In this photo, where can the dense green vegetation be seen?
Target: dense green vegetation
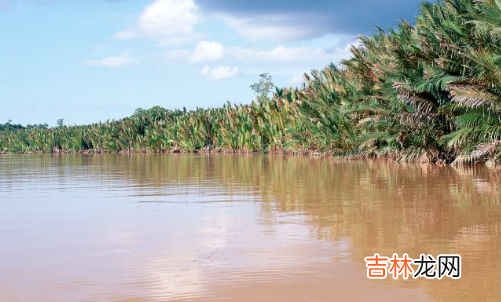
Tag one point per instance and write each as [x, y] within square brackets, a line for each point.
[425, 92]
[11, 127]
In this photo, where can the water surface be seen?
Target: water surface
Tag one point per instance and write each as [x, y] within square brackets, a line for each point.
[150, 228]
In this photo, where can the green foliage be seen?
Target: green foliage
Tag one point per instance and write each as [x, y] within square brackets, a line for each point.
[9, 126]
[429, 92]
[265, 85]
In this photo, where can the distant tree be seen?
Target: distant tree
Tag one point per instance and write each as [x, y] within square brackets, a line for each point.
[9, 126]
[264, 86]
[139, 112]
[37, 126]
[60, 122]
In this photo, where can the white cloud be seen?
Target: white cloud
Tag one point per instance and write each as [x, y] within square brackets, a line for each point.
[296, 80]
[126, 35]
[213, 51]
[112, 62]
[176, 54]
[206, 51]
[275, 28]
[282, 54]
[218, 73]
[280, 61]
[249, 56]
[170, 21]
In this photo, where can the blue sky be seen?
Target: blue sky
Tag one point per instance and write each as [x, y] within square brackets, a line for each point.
[93, 60]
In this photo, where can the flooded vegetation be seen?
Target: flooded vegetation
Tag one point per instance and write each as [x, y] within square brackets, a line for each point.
[425, 91]
[148, 228]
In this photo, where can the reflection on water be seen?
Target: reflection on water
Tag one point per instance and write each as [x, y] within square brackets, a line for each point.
[148, 228]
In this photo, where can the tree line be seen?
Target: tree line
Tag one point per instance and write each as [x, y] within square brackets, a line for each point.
[429, 91]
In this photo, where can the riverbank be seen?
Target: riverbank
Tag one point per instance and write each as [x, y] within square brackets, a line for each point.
[354, 157]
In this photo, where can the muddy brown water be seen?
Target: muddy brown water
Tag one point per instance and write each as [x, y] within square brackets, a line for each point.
[150, 228]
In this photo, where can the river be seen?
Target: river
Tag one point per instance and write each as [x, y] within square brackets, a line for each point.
[151, 228]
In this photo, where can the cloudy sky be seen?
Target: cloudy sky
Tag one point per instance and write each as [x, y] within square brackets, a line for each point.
[93, 60]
